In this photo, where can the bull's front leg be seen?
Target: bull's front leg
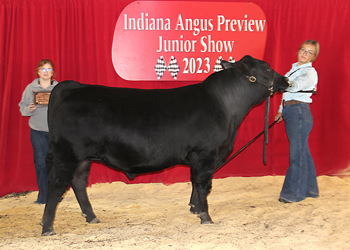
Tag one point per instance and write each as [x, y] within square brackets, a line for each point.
[201, 178]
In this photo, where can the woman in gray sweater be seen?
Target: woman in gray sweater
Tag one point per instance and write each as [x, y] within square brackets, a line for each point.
[38, 122]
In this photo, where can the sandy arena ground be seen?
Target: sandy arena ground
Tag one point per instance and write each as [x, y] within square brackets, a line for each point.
[246, 213]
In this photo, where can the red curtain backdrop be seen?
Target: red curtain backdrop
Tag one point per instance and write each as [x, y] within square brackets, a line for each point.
[77, 35]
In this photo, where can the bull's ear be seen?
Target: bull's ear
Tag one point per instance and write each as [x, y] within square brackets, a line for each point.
[226, 64]
[244, 64]
[242, 68]
[247, 60]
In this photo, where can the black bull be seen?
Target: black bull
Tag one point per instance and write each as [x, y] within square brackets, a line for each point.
[139, 131]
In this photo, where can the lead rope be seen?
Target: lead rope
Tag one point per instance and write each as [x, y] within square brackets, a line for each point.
[266, 127]
[244, 147]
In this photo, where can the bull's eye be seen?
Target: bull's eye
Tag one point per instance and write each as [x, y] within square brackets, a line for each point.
[268, 69]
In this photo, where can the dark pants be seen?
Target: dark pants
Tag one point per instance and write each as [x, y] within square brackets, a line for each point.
[300, 181]
[40, 143]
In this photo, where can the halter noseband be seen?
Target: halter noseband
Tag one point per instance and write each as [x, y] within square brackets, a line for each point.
[269, 86]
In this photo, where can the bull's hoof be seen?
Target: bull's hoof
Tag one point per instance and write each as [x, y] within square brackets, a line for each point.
[207, 222]
[94, 221]
[48, 233]
[205, 218]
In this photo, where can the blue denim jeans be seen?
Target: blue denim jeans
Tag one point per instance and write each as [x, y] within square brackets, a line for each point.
[300, 181]
[40, 144]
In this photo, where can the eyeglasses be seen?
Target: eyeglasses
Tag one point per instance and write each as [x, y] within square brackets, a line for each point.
[309, 53]
[45, 70]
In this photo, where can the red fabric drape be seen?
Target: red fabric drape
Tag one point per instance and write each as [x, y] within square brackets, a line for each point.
[77, 35]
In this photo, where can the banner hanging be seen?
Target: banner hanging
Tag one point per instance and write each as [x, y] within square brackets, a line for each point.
[168, 40]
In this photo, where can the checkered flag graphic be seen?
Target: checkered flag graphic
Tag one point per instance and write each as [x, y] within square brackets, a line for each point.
[231, 60]
[218, 66]
[160, 67]
[173, 67]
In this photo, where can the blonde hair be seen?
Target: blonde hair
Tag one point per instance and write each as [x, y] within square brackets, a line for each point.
[42, 63]
[315, 44]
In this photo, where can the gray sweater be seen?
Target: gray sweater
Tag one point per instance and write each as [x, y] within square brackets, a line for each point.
[38, 118]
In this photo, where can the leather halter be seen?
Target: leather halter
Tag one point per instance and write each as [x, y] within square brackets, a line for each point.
[269, 86]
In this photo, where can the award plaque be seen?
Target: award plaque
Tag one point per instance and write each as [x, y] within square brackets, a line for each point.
[41, 97]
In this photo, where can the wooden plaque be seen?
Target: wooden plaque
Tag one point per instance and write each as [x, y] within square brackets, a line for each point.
[41, 97]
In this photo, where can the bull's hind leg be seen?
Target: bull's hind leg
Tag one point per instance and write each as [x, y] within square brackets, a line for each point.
[58, 183]
[79, 184]
[201, 178]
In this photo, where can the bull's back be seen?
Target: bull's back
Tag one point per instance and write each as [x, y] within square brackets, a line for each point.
[117, 117]
[127, 105]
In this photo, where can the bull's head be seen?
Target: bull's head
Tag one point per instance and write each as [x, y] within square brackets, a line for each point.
[259, 71]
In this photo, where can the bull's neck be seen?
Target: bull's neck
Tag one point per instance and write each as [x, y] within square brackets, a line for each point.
[238, 97]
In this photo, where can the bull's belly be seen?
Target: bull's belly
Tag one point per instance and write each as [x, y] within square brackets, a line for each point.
[146, 157]
[132, 169]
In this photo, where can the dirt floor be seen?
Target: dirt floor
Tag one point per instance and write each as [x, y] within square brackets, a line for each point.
[246, 213]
